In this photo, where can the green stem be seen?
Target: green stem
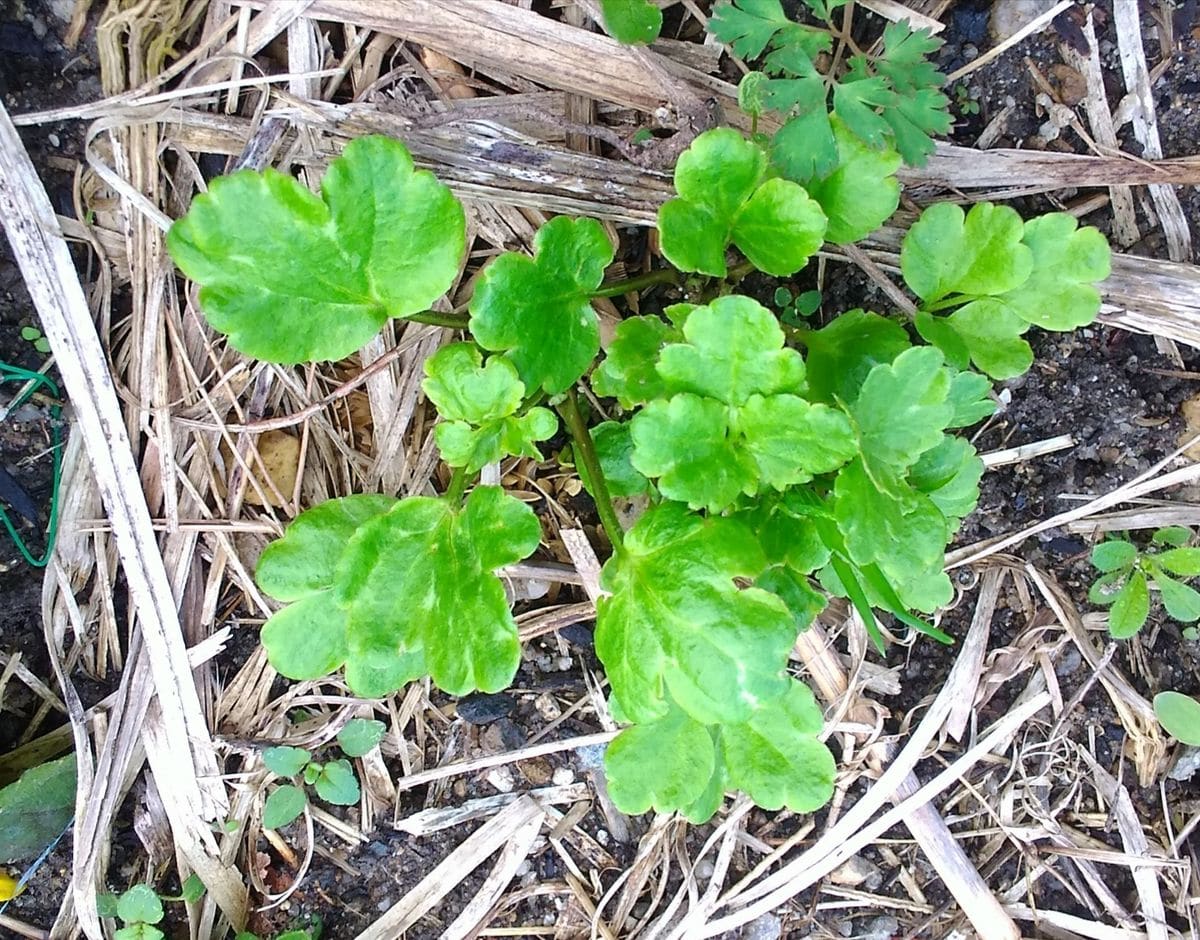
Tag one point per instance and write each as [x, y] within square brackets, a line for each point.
[585, 452]
[453, 321]
[640, 282]
[458, 486]
[946, 302]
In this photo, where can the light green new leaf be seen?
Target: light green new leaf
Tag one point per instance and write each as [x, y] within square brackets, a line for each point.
[969, 395]
[282, 806]
[1179, 715]
[477, 403]
[419, 580]
[1113, 555]
[676, 622]
[732, 349]
[1174, 535]
[307, 638]
[862, 193]
[842, 354]
[360, 736]
[36, 808]
[1067, 263]
[337, 784]
[724, 197]
[1184, 562]
[705, 806]
[949, 474]
[537, 311]
[140, 905]
[791, 440]
[292, 277]
[627, 372]
[286, 761]
[977, 253]
[902, 411]
[1130, 608]
[775, 756]
[664, 764]
[1182, 602]
[631, 21]
[992, 332]
[139, 932]
[304, 561]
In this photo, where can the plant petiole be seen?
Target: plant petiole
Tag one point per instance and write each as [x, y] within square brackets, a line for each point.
[639, 282]
[585, 450]
[452, 321]
[458, 486]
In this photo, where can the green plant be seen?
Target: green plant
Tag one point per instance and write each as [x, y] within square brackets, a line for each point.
[795, 308]
[140, 908]
[774, 476]
[889, 101]
[333, 780]
[35, 809]
[33, 335]
[631, 21]
[1179, 715]
[1127, 573]
[966, 103]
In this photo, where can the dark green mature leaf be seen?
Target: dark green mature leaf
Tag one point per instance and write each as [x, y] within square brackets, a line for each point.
[337, 784]
[949, 474]
[902, 411]
[842, 354]
[360, 736]
[856, 102]
[725, 197]
[664, 764]
[862, 193]
[794, 589]
[421, 596]
[1179, 715]
[307, 638]
[291, 277]
[305, 560]
[140, 905]
[631, 21]
[749, 26]
[676, 622]
[478, 405]
[614, 449]
[1130, 608]
[36, 808]
[283, 805]
[537, 311]
[286, 761]
[735, 423]
[775, 756]
[192, 889]
[804, 147]
[1113, 555]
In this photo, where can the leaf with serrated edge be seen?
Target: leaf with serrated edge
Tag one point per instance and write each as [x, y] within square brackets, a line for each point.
[675, 620]
[360, 736]
[949, 474]
[748, 25]
[282, 806]
[537, 311]
[724, 197]
[627, 372]
[337, 783]
[902, 410]
[420, 578]
[663, 764]
[862, 193]
[292, 277]
[978, 253]
[631, 21]
[776, 757]
[842, 354]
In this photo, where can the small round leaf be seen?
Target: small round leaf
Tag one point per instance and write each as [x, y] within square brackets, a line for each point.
[283, 805]
[1113, 555]
[360, 735]
[1179, 715]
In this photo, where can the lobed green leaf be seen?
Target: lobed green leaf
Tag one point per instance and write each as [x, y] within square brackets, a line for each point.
[861, 193]
[140, 905]
[293, 277]
[665, 764]
[537, 311]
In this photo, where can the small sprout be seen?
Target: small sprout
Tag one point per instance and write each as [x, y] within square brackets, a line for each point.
[334, 780]
[1127, 573]
[33, 335]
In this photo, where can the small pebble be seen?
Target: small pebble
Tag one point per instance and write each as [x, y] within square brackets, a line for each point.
[563, 776]
[704, 869]
[479, 708]
[883, 927]
[501, 778]
[547, 707]
[53, 138]
[602, 836]
[766, 927]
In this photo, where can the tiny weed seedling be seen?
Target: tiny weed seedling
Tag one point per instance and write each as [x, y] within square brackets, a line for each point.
[334, 781]
[966, 103]
[1179, 715]
[795, 309]
[33, 335]
[1127, 573]
[140, 908]
[778, 467]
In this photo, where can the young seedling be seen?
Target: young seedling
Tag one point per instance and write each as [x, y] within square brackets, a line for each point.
[1179, 715]
[334, 780]
[777, 467]
[140, 908]
[795, 309]
[33, 335]
[1127, 573]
